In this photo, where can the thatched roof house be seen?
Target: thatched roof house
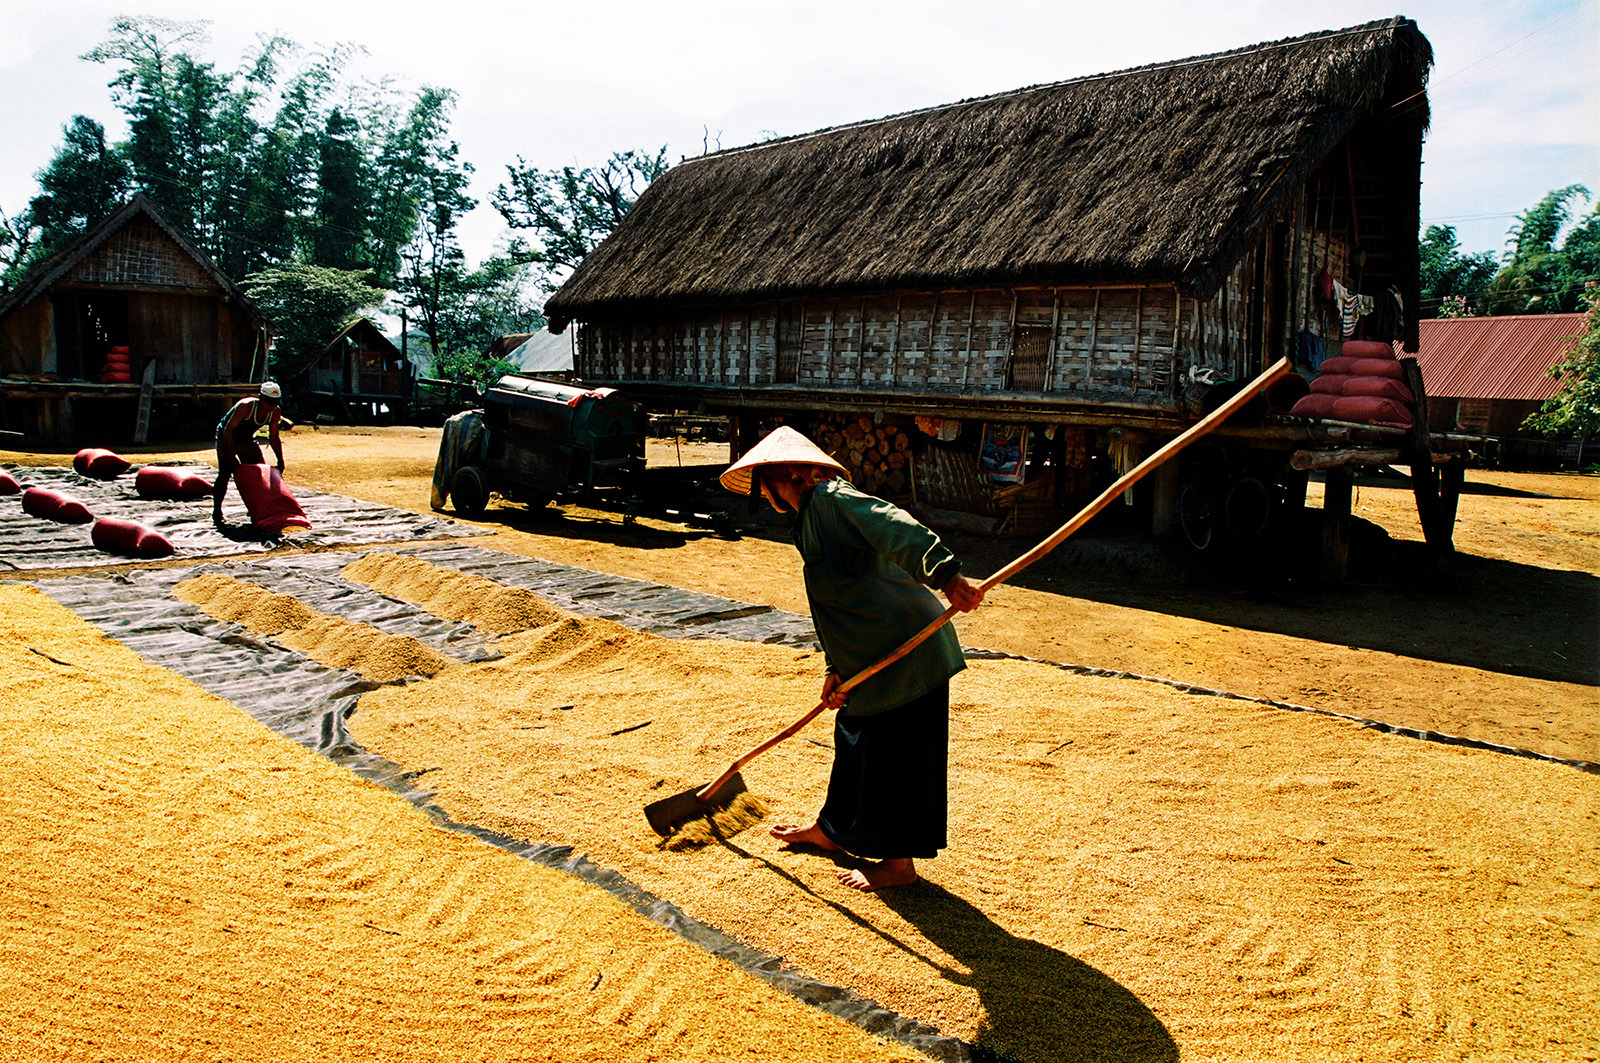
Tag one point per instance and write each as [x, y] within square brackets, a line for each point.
[134, 282]
[1166, 173]
[1050, 267]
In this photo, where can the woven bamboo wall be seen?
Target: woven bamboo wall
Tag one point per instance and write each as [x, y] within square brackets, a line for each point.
[1056, 340]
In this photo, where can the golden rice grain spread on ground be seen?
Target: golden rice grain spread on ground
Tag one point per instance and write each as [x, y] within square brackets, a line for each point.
[1134, 873]
[451, 593]
[179, 883]
[330, 640]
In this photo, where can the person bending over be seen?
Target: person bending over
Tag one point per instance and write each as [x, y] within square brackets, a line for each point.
[868, 569]
[236, 439]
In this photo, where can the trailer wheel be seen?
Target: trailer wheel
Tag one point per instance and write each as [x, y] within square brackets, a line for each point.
[469, 491]
[1248, 508]
[1198, 513]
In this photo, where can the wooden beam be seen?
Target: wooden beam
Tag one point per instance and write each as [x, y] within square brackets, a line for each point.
[972, 309]
[1306, 460]
[1050, 355]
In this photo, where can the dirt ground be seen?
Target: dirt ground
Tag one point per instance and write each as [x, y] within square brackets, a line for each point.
[1134, 873]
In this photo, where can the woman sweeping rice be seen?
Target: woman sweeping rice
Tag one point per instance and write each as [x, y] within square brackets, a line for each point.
[868, 567]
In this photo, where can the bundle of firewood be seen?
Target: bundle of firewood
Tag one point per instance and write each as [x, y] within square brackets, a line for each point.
[877, 455]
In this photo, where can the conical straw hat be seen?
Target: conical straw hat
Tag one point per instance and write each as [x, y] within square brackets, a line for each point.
[782, 446]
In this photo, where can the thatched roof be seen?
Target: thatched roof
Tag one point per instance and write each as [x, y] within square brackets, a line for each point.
[59, 265]
[1162, 173]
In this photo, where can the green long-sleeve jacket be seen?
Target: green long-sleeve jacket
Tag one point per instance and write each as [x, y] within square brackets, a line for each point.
[868, 567]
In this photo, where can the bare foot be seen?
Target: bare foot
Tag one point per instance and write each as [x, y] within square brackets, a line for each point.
[885, 874]
[793, 834]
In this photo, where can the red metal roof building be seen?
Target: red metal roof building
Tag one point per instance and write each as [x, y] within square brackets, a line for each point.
[1486, 374]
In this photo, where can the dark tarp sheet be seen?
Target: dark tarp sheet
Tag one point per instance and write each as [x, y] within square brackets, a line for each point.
[309, 703]
[31, 543]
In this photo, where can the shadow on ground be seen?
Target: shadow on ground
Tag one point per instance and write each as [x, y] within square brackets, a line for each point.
[1038, 1002]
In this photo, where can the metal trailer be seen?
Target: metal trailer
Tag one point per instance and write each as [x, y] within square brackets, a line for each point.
[534, 441]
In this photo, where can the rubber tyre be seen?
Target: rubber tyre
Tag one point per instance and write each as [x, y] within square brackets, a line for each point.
[1198, 518]
[469, 491]
[1248, 509]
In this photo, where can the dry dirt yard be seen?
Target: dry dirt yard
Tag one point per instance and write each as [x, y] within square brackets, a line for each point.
[1135, 873]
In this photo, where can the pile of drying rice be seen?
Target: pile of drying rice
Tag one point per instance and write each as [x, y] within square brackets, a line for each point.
[330, 640]
[452, 594]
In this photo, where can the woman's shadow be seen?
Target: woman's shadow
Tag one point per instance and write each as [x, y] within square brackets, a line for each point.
[1038, 1002]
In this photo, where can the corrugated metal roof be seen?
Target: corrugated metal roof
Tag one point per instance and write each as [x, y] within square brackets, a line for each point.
[543, 352]
[1505, 357]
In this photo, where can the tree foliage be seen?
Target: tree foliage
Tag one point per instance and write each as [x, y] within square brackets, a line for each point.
[568, 211]
[1575, 409]
[1538, 276]
[1452, 282]
[310, 304]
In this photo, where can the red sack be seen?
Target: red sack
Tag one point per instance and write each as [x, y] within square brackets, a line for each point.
[159, 481]
[1366, 349]
[52, 505]
[8, 484]
[1315, 405]
[272, 508]
[1329, 384]
[1378, 387]
[127, 537]
[100, 463]
[1370, 409]
[1388, 367]
[117, 359]
[41, 502]
[116, 378]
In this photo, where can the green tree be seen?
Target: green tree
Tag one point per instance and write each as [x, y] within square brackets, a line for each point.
[568, 211]
[1575, 409]
[1452, 282]
[339, 223]
[492, 302]
[307, 306]
[18, 237]
[1539, 277]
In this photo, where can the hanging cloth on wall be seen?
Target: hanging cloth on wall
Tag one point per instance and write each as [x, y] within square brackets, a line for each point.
[1312, 350]
[1353, 306]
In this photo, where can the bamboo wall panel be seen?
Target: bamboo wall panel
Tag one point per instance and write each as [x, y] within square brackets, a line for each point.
[1079, 341]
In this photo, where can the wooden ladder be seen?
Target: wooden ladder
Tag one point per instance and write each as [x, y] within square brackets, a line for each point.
[147, 390]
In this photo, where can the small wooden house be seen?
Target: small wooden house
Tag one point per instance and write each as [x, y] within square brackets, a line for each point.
[1486, 375]
[1040, 269]
[359, 376]
[133, 282]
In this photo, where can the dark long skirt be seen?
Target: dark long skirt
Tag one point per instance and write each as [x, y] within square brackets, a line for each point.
[887, 795]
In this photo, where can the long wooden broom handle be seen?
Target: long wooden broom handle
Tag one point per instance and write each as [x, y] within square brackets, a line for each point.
[1083, 516]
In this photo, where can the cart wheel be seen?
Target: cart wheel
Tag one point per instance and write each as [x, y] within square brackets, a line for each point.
[1197, 513]
[1248, 508]
[469, 491]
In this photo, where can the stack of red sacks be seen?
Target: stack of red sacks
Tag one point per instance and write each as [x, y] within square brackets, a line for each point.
[100, 463]
[1364, 385]
[117, 368]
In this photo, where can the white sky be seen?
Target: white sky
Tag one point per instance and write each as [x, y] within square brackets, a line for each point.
[1515, 88]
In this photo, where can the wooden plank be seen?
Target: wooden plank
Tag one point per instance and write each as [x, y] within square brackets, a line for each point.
[972, 309]
[1055, 326]
[147, 387]
[1088, 354]
[1306, 460]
